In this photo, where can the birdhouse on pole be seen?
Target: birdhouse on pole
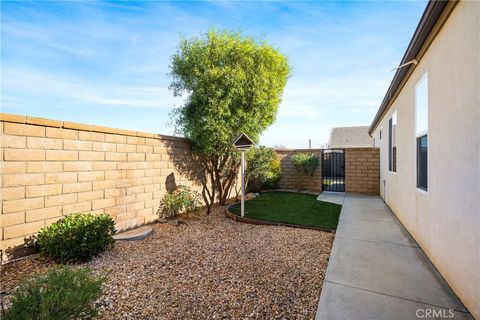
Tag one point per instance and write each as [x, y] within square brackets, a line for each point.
[242, 143]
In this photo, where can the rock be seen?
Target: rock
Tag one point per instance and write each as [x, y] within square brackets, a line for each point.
[139, 233]
[174, 222]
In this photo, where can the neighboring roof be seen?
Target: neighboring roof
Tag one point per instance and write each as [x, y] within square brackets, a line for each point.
[429, 18]
[350, 137]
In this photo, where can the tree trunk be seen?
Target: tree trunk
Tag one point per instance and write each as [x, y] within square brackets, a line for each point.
[228, 183]
[219, 177]
[208, 193]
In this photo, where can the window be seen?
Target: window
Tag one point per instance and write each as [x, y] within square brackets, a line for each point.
[421, 132]
[422, 162]
[421, 106]
[380, 135]
[392, 143]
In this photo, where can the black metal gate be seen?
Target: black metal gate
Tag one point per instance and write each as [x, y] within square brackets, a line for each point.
[333, 170]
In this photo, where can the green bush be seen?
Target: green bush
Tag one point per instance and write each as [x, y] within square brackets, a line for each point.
[62, 293]
[77, 237]
[272, 177]
[262, 169]
[305, 164]
[180, 202]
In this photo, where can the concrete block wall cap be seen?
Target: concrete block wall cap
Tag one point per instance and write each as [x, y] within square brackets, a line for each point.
[172, 138]
[297, 150]
[6, 117]
[104, 129]
[44, 122]
[363, 149]
[77, 126]
[145, 134]
[127, 132]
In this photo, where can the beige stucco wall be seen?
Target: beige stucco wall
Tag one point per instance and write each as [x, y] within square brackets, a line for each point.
[445, 221]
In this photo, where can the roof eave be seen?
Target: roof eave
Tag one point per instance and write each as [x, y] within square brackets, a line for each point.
[429, 18]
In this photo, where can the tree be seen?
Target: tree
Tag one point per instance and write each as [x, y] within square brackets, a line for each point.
[232, 84]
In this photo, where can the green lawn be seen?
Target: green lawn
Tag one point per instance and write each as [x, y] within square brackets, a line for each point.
[293, 208]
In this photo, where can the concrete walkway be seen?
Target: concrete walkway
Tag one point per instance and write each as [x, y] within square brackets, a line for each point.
[377, 271]
[332, 197]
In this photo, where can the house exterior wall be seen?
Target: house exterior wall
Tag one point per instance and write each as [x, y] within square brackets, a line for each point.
[445, 220]
[52, 168]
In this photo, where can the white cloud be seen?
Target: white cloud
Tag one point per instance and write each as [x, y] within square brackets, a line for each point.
[31, 84]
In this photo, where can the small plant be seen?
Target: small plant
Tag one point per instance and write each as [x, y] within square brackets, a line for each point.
[60, 294]
[77, 237]
[305, 164]
[180, 202]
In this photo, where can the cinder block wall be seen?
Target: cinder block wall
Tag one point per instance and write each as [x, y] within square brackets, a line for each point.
[53, 168]
[362, 170]
[289, 177]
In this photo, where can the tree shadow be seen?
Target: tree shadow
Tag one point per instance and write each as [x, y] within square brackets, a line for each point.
[29, 247]
[190, 166]
[170, 184]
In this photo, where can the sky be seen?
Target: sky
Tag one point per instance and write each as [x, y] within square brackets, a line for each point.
[107, 62]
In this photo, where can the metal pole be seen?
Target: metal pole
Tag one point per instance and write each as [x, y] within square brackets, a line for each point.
[243, 183]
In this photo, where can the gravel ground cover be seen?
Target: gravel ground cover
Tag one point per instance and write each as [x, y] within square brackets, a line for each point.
[208, 268]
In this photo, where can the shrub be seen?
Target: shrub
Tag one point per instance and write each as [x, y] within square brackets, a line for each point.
[60, 294]
[77, 237]
[262, 169]
[305, 164]
[180, 202]
[272, 177]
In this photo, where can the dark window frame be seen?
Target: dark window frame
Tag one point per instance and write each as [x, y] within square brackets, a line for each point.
[422, 162]
[392, 150]
[390, 125]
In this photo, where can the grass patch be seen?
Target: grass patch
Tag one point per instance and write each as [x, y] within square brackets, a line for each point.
[293, 208]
